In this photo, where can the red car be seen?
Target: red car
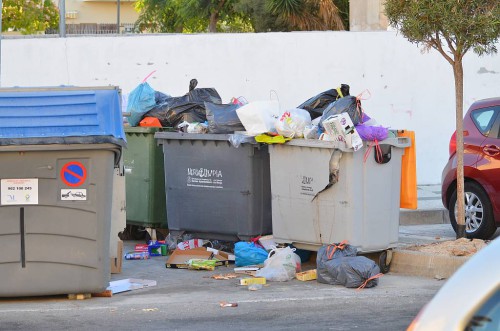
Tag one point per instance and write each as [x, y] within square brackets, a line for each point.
[481, 171]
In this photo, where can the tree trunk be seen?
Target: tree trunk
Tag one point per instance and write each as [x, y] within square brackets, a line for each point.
[459, 98]
[214, 17]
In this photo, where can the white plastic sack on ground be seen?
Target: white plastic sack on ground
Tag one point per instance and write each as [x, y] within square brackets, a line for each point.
[281, 265]
[259, 116]
[292, 123]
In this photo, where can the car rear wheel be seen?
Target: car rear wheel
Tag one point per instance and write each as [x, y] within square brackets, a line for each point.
[479, 222]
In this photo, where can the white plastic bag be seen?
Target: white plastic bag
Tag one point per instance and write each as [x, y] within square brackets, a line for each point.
[292, 123]
[259, 116]
[281, 265]
[194, 127]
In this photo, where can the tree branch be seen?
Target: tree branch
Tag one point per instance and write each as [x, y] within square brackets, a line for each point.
[436, 43]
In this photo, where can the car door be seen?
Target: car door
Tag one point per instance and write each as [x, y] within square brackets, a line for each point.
[489, 159]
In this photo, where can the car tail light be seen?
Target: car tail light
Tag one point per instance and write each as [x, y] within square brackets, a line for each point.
[453, 143]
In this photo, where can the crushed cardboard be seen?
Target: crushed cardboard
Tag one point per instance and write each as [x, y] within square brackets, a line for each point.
[255, 280]
[179, 258]
[225, 276]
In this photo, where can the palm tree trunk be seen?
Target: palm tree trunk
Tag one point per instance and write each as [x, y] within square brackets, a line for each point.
[214, 17]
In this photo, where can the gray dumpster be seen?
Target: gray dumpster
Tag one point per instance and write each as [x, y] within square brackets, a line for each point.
[214, 190]
[362, 207]
[58, 147]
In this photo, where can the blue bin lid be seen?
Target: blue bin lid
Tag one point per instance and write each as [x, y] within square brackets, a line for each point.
[64, 113]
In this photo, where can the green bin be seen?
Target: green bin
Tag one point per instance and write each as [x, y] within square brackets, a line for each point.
[144, 178]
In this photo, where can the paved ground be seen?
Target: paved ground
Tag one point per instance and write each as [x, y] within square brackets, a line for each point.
[188, 299]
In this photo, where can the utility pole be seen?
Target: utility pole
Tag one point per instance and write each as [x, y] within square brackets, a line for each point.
[62, 18]
[118, 16]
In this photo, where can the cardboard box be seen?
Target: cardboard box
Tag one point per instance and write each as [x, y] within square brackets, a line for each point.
[255, 280]
[307, 275]
[226, 255]
[179, 258]
[340, 128]
[116, 262]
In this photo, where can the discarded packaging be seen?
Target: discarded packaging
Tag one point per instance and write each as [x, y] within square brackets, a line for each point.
[154, 250]
[141, 247]
[202, 264]
[137, 256]
[306, 275]
[224, 304]
[179, 258]
[340, 128]
[129, 284]
[256, 280]
[226, 255]
[190, 244]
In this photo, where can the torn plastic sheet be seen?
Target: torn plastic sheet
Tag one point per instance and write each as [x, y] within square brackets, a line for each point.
[334, 169]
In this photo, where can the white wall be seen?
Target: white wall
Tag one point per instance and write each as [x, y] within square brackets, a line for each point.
[409, 89]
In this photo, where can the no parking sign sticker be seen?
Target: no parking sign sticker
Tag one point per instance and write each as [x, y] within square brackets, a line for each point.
[73, 174]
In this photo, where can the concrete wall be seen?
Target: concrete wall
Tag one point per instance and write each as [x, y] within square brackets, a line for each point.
[409, 89]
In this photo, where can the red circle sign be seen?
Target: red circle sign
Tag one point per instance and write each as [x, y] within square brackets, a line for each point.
[73, 174]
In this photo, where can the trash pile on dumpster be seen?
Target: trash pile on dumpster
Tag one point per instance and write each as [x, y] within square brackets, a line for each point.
[222, 161]
[332, 115]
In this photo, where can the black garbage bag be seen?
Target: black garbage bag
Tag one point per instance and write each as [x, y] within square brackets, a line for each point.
[189, 107]
[223, 118]
[317, 104]
[349, 271]
[328, 252]
[161, 97]
[349, 105]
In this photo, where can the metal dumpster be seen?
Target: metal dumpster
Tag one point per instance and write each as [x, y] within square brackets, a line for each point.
[59, 148]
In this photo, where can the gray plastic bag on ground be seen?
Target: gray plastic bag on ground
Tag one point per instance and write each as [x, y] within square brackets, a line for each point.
[351, 271]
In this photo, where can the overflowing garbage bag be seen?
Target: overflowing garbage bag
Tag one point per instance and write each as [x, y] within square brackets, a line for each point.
[222, 118]
[338, 264]
[351, 272]
[281, 265]
[140, 101]
[259, 116]
[247, 253]
[187, 108]
[293, 123]
[371, 132]
[350, 105]
[317, 104]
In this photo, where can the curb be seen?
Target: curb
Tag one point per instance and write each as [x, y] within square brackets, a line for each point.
[421, 264]
[427, 216]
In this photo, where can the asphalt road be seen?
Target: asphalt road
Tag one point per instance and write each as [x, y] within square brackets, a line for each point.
[189, 300]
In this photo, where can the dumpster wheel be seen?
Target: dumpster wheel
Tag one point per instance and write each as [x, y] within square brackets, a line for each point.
[384, 261]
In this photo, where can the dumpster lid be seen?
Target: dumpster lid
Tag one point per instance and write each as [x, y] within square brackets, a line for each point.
[191, 136]
[60, 112]
[237, 137]
[400, 142]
